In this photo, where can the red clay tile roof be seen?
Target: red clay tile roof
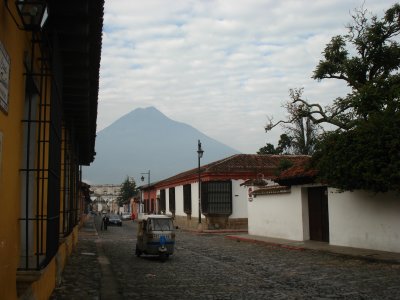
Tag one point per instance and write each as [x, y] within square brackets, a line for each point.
[240, 162]
[299, 173]
[244, 166]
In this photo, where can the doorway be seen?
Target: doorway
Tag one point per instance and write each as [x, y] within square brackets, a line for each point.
[318, 213]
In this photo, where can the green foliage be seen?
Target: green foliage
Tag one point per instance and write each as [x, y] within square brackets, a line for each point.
[299, 139]
[284, 145]
[284, 164]
[366, 157]
[363, 153]
[367, 59]
[127, 191]
[267, 149]
[302, 135]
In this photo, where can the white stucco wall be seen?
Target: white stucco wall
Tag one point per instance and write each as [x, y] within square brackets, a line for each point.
[239, 200]
[364, 220]
[167, 212]
[282, 216]
[195, 200]
[179, 201]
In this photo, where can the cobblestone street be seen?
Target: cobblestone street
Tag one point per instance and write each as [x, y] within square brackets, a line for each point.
[210, 266]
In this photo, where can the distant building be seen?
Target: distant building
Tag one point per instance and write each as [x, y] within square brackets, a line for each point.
[106, 190]
[104, 197]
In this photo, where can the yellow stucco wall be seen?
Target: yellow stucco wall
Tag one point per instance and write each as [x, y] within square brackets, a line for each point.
[49, 277]
[15, 42]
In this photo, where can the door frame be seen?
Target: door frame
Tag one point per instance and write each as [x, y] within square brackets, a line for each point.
[318, 213]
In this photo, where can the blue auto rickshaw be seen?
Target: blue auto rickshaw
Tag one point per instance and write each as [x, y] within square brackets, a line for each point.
[155, 236]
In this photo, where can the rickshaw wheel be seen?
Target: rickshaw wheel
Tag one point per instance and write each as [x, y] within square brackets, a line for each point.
[164, 257]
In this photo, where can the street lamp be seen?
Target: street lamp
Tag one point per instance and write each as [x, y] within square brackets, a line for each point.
[199, 155]
[33, 13]
[148, 182]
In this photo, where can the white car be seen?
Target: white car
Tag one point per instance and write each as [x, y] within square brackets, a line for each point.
[126, 216]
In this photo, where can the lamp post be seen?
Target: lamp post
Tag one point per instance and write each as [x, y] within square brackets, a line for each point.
[148, 183]
[199, 155]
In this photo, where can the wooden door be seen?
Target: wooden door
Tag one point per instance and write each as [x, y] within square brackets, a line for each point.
[318, 214]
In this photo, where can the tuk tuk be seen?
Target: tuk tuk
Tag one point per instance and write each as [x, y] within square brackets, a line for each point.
[155, 236]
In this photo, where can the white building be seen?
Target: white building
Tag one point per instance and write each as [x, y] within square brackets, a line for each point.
[223, 196]
[297, 210]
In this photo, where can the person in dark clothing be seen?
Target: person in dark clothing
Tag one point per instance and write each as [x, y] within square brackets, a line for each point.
[104, 222]
[106, 219]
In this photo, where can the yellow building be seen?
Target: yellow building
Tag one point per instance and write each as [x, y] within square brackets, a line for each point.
[49, 79]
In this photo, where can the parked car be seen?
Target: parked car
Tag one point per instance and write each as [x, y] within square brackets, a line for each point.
[114, 221]
[126, 216]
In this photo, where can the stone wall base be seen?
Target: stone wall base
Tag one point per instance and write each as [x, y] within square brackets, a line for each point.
[211, 223]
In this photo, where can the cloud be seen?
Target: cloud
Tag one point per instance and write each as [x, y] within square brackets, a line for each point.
[221, 66]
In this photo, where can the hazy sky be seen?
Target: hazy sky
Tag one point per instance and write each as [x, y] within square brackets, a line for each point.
[221, 66]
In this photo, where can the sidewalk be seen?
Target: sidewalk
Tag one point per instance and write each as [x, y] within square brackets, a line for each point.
[368, 254]
[88, 227]
[82, 274]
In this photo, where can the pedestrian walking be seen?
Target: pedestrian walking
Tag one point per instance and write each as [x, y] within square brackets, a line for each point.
[106, 219]
[104, 222]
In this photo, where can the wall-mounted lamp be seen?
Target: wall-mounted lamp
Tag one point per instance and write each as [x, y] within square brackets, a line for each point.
[33, 13]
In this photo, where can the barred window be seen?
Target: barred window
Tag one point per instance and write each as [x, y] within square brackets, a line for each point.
[172, 200]
[216, 197]
[187, 198]
[162, 201]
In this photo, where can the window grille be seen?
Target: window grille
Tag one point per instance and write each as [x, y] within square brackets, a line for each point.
[69, 210]
[152, 206]
[40, 172]
[187, 198]
[163, 206]
[172, 199]
[216, 197]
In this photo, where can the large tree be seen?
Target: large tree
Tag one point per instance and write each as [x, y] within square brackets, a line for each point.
[268, 149]
[300, 135]
[284, 146]
[362, 153]
[127, 191]
[367, 59]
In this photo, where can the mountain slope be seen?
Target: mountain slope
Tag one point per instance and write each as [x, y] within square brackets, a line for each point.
[145, 139]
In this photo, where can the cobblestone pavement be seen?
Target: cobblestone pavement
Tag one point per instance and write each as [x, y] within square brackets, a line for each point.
[210, 266]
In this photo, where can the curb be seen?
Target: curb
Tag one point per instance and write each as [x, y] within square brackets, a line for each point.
[255, 241]
[214, 231]
[299, 248]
